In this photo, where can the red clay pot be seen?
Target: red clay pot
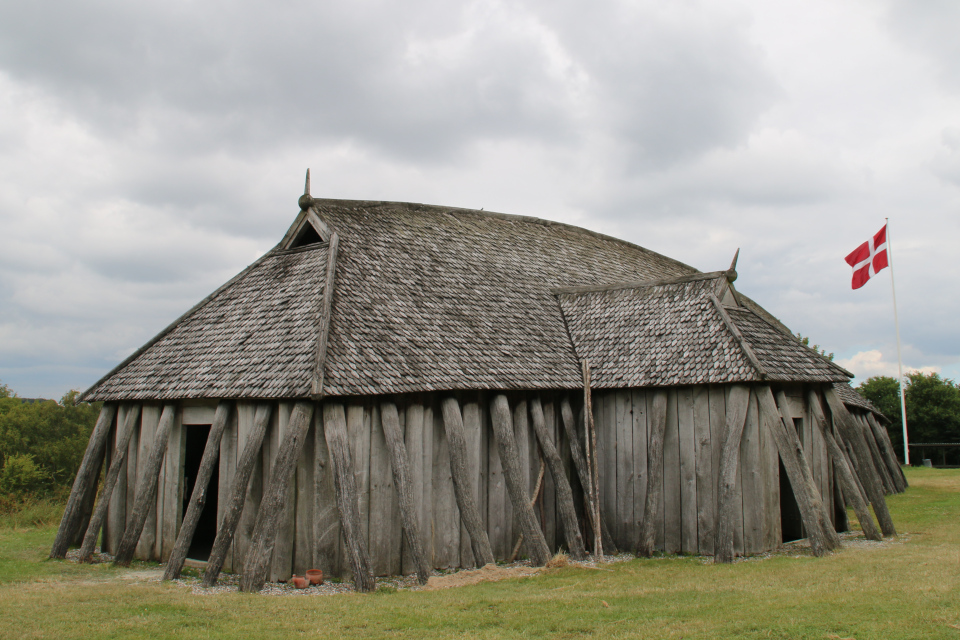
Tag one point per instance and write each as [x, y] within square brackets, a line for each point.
[315, 576]
[300, 583]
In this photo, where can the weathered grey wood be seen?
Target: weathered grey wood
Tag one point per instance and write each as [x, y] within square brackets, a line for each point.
[386, 529]
[889, 486]
[583, 473]
[428, 526]
[231, 517]
[463, 482]
[323, 324]
[116, 517]
[304, 540]
[85, 482]
[173, 488]
[549, 517]
[605, 427]
[639, 432]
[848, 485]
[258, 563]
[688, 471]
[446, 517]
[625, 518]
[503, 430]
[146, 494]
[751, 482]
[791, 454]
[671, 506]
[413, 439]
[646, 544]
[475, 458]
[335, 430]
[735, 331]
[113, 475]
[358, 430]
[149, 421]
[254, 491]
[770, 481]
[590, 449]
[281, 563]
[211, 453]
[497, 503]
[862, 460]
[528, 469]
[228, 467]
[326, 518]
[886, 450]
[568, 513]
[736, 416]
[706, 489]
[129, 483]
[390, 420]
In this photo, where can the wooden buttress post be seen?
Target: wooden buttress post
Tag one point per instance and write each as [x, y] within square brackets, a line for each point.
[85, 483]
[568, 513]
[146, 495]
[231, 516]
[737, 406]
[211, 452]
[463, 485]
[335, 431]
[516, 486]
[119, 457]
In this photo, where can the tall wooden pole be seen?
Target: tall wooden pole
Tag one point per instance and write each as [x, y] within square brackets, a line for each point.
[590, 440]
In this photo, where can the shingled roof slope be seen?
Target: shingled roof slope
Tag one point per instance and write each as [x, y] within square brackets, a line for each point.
[671, 333]
[435, 298]
[255, 337]
[852, 397]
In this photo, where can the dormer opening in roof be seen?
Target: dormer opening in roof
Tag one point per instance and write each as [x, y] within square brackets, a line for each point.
[308, 228]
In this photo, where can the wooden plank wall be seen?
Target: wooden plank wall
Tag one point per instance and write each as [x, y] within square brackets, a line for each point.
[309, 535]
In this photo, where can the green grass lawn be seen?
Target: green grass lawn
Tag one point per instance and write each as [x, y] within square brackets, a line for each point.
[905, 589]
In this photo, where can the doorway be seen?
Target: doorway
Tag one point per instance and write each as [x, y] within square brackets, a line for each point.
[206, 532]
[791, 524]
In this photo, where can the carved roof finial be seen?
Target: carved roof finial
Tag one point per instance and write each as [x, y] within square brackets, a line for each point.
[732, 271]
[306, 200]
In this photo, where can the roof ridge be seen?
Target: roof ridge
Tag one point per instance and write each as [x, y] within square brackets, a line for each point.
[507, 216]
[693, 277]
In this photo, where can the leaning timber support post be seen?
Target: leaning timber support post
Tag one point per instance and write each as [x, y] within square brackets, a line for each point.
[345, 484]
[85, 484]
[211, 452]
[810, 515]
[568, 512]
[120, 456]
[646, 544]
[848, 484]
[390, 419]
[889, 479]
[576, 452]
[146, 495]
[462, 483]
[737, 405]
[516, 483]
[831, 536]
[889, 457]
[593, 474]
[231, 515]
[257, 564]
[865, 471]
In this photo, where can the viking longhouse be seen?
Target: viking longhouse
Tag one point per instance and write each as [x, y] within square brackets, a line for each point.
[396, 388]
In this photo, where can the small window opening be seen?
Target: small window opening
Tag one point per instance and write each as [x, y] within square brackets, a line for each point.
[307, 235]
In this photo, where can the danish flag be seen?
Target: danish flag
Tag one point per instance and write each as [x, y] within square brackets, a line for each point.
[869, 258]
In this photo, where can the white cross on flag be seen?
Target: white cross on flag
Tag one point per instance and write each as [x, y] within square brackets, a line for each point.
[869, 258]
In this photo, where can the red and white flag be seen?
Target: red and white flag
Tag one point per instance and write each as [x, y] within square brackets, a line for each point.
[869, 258]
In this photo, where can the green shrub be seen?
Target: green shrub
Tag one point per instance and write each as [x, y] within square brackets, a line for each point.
[21, 476]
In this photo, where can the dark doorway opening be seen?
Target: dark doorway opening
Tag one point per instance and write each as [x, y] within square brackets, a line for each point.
[206, 531]
[791, 524]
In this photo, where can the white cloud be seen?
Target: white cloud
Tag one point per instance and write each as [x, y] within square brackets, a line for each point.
[867, 364]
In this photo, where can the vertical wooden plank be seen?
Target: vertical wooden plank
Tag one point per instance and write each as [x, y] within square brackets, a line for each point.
[446, 515]
[738, 500]
[282, 562]
[483, 487]
[326, 518]
[497, 502]
[133, 449]
[251, 504]
[607, 459]
[386, 532]
[427, 528]
[625, 477]
[753, 489]
[706, 487]
[551, 519]
[473, 433]
[227, 472]
[413, 441]
[672, 505]
[525, 447]
[117, 510]
[149, 419]
[173, 488]
[358, 431]
[641, 432]
[770, 485]
[688, 471]
[303, 536]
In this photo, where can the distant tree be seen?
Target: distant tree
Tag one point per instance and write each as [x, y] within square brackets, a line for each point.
[805, 341]
[933, 407]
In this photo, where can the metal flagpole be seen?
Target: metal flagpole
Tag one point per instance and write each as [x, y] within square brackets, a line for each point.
[896, 322]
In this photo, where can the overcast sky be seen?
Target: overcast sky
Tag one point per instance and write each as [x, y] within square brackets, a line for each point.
[150, 150]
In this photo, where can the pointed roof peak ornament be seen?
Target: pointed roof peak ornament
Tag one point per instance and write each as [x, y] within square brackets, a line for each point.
[732, 271]
[306, 200]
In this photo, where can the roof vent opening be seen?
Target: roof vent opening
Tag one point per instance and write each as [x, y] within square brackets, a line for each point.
[307, 235]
